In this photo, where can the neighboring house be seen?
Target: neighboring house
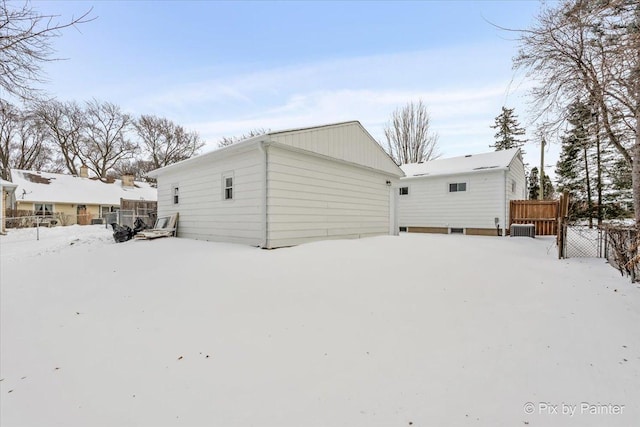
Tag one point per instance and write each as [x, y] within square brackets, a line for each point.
[6, 196]
[74, 199]
[285, 188]
[468, 194]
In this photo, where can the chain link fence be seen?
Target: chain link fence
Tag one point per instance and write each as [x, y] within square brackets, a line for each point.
[618, 244]
[582, 241]
[621, 249]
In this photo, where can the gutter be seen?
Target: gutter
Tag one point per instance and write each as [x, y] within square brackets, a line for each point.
[504, 204]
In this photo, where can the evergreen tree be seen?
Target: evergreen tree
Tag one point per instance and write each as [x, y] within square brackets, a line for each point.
[575, 168]
[508, 131]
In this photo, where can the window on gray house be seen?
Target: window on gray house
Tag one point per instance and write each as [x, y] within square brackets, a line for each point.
[176, 197]
[228, 187]
[404, 191]
[457, 186]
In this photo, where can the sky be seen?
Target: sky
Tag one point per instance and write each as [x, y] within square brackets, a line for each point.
[224, 68]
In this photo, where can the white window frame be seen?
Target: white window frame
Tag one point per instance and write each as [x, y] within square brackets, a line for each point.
[228, 190]
[175, 194]
[457, 184]
[43, 210]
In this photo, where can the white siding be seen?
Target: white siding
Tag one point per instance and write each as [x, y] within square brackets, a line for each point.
[312, 198]
[204, 214]
[430, 204]
[346, 141]
[516, 173]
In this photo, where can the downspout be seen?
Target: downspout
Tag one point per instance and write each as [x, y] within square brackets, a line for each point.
[265, 199]
[504, 204]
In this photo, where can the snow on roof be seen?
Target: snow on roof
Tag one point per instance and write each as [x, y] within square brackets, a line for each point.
[496, 160]
[60, 188]
[6, 184]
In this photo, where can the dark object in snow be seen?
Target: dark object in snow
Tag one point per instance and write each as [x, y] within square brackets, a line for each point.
[121, 233]
[139, 225]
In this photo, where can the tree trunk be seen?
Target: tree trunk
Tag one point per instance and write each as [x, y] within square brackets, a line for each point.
[635, 171]
[588, 182]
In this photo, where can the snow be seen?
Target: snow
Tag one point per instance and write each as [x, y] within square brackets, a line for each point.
[443, 330]
[495, 160]
[74, 189]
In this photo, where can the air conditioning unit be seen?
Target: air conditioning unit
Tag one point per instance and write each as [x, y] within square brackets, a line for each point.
[523, 230]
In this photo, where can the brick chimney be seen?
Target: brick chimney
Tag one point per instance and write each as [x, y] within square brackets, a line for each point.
[84, 171]
[127, 180]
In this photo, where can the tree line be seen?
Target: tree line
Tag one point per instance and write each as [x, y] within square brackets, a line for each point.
[584, 59]
[57, 136]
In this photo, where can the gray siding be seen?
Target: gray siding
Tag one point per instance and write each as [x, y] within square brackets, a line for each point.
[346, 141]
[312, 198]
[204, 214]
[430, 204]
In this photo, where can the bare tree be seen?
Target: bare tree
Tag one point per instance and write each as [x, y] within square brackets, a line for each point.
[591, 49]
[106, 142]
[25, 43]
[31, 151]
[22, 142]
[9, 125]
[165, 142]
[409, 136]
[64, 125]
[229, 140]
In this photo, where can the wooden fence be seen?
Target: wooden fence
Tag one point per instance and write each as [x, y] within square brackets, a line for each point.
[542, 213]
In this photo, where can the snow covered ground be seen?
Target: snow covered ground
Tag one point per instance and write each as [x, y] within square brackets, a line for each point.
[422, 330]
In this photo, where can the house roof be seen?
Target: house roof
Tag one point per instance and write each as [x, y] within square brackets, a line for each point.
[8, 185]
[60, 188]
[385, 163]
[471, 163]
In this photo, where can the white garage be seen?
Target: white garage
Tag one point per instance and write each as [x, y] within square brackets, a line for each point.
[285, 188]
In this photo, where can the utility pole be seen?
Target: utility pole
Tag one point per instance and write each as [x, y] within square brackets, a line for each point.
[541, 192]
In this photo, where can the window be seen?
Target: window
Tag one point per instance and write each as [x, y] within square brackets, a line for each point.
[457, 230]
[513, 185]
[43, 209]
[228, 187]
[404, 191]
[176, 197]
[457, 186]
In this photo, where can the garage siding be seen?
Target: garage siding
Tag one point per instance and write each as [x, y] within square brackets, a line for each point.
[204, 214]
[311, 198]
[347, 141]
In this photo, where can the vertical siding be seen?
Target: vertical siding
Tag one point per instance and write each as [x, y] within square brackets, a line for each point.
[348, 141]
[203, 212]
[429, 203]
[311, 198]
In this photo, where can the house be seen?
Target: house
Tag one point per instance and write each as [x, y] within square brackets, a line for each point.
[71, 199]
[285, 188]
[6, 194]
[467, 194]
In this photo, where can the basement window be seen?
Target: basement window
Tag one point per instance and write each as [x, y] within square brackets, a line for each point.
[457, 186]
[227, 181]
[457, 231]
[176, 195]
[404, 191]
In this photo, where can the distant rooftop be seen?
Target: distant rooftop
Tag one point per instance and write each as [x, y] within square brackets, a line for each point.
[462, 164]
[36, 186]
